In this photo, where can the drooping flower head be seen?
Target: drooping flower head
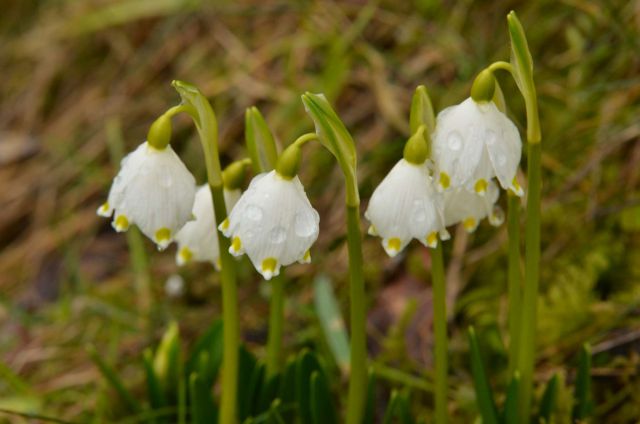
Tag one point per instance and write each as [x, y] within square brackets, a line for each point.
[406, 205]
[153, 190]
[198, 239]
[474, 142]
[273, 222]
[469, 208]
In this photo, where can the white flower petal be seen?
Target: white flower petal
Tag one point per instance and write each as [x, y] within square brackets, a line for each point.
[154, 190]
[198, 239]
[474, 142]
[468, 207]
[405, 206]
[273, 222]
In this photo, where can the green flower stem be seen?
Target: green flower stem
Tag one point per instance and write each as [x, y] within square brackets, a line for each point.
[358, 376]
[276, 319]
[514, 283]
[199, 108]
[528, 319]
[526, 351]
[440, 330]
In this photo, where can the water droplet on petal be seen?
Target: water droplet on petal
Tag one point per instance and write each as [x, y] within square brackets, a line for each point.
[166, 181]
[419, 213]
[278, 235]
[253, 212]
[490, 137]
[455, 140]
[502, 160]
[304, 225]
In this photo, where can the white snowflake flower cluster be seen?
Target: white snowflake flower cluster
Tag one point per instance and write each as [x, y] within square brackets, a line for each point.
[472, 143]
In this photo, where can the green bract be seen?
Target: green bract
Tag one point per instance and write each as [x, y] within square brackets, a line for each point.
[421, 111]
[260, 141]
[523, 75]
[335, 137]
[197, 105]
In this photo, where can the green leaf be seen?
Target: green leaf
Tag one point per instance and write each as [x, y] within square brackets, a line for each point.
[520, 55]
[332, 132]
[484, 396]
[260, 142]
[307, 363]
[582, 393]
[274, 416]
[269, 392]
[398, 409]
[323, 410]
[510, 411]
[370, 406]
[288, 387]
[211, 344]
[113, 379]
[421, 111]
[249, 378]
[166, 360]
[331, 321]
[203, 409]
[155, 393]
[548, 403]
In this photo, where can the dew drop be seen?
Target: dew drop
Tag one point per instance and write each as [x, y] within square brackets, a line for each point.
[502, 160]
[419, 213]
[303, 225]
[455, 140]
[489, 137]
[253, 212]
[166, 181]
[278, 235]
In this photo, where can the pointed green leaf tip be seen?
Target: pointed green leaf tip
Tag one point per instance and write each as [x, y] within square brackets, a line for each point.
[260, 142]
[520, 55]
[421, 111]
[483, 87]
[416, 150]
[165, 362]
[334, 136]
[159, 133]
[289, 162]
[330, 129]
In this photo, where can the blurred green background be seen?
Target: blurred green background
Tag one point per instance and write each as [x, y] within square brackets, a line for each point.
[82, 81]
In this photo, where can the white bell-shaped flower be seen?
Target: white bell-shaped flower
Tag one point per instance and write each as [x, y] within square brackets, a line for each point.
[469, 208]
[405, 206]
[472, 143]
[198, 239]
[273, 223]
[153, 190]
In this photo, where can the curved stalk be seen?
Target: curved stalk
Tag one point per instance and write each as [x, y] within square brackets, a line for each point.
[199, 108]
